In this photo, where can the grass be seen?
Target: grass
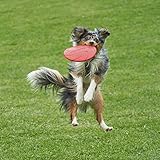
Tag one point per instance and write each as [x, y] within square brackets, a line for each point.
[35, 33]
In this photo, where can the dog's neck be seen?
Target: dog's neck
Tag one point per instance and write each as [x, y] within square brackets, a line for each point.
[74, 44]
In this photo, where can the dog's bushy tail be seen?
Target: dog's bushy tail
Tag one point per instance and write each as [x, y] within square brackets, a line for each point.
[45, 78]
[48, 78]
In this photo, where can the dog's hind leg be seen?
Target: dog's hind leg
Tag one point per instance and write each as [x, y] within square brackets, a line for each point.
[98, 105]
[73, 113]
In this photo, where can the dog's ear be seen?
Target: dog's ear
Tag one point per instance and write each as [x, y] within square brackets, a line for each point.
[78, 32]
[103, 33]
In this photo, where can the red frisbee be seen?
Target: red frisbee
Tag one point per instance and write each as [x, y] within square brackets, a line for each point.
[80, 53]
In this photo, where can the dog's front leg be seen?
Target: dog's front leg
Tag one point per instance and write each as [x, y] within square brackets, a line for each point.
[90, 91]
[95, 80]
[79, 95]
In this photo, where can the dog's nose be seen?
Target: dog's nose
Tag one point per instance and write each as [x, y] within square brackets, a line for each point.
[91, 43]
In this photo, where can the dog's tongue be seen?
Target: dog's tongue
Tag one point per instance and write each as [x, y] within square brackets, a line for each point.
[80, 53]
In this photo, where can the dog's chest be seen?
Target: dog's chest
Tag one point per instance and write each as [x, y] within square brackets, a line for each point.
[86, 68]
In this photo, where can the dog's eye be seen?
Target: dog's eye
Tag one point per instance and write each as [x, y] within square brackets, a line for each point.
[96, 40]
[87, 37]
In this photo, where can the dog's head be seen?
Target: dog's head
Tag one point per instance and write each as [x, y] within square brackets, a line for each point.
[84, 36]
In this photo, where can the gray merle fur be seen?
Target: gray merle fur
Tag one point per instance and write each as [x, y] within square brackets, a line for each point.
[66, 87]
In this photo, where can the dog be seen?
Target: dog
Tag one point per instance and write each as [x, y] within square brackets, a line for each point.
[82, 86]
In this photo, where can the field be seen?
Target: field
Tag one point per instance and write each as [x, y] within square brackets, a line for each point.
[35, 33]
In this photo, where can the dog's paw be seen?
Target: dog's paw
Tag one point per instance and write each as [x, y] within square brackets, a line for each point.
[88, 96]
[74, 122]
[79, 97]
[105, 127]
[109, 129]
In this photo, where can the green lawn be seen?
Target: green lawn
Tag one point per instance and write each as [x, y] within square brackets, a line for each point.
[35, 33]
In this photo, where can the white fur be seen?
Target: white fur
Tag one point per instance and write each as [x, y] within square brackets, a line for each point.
[74, 44]
[79, 67]
[104, 126]
[74, 122]
[79, 95]
[31, 78]
[90, 91]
